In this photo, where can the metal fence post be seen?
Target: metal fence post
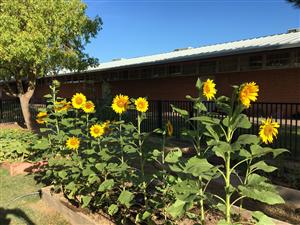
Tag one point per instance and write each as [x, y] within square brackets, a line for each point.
[159, 114]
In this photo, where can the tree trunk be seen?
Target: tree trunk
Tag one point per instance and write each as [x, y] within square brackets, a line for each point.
[24, 101]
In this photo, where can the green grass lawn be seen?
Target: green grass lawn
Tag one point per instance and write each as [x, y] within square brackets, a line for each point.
[28, 210]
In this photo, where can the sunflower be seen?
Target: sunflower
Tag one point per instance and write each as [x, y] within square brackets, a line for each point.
[120, 103]
[169, 128]
[248, 93]
[141, 104]
[40, 118]
[106, 126]
[89, 107]
[62, 106]
[209, 89]
[97, 130]
[73, 143]
[268, 129]
[78, 100]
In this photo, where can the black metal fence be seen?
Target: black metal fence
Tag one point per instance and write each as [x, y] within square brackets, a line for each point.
[286, 114]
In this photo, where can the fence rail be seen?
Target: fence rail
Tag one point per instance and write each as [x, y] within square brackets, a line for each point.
[286, 114]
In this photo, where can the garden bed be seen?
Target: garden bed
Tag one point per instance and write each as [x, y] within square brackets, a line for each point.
[79, 216]
[76, 216]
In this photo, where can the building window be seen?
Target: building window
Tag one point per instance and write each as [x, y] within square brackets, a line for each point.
[208, 67]
[124, 75]
[278, 59]
[174, 69]
[159, 71]
[189, 68]
[252, 62]
[228, 64]
[146, 73]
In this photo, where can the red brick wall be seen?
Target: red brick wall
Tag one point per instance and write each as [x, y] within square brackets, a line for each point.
[68, 89]
[275, 85]
[156, 89]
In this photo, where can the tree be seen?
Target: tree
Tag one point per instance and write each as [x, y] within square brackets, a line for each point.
[296, 3]
[39, 38]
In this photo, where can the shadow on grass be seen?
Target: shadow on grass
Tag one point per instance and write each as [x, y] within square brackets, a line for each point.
[4, 220]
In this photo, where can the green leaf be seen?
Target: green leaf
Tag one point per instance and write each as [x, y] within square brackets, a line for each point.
[155, 154]
[247, 139]
[199, 84]
[113, 209]
[106, 185]
[257, 150]
[211, 132]
[225, 121]
[275, 152]
[75, 132]
[158, 131]
[261, 165]
[186, 190]
[223, 222]
[62, 174]
[125, 198]
[221, 148]
[146, 215]
[100, 166]
[206, 120]
[182, 112]
[262, 219]
[223, 104]
[177, 209]
[241, 121]
[86, 200]
[47, 96]
[129, 149]
[244, 153]
[197, 166]
[93, 179]
[258, 189]
[87, 172]
[200, 106]
[173, 156]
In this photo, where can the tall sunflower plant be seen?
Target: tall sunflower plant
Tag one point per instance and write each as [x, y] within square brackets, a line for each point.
[132, 152]
[243, 155]
[194, 173]
[74, 144]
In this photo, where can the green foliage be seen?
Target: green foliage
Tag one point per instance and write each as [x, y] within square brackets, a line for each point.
[16, 144]
[43, 36]
[114, 172]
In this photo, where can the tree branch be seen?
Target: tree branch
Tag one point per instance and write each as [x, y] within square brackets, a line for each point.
[8, 91]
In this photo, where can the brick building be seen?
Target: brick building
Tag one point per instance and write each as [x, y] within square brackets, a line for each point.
[272, 61]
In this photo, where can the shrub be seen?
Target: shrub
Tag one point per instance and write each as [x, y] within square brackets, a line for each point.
[105, 165]
[16, 144]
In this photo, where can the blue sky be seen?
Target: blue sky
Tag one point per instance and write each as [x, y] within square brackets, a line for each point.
[143, 27]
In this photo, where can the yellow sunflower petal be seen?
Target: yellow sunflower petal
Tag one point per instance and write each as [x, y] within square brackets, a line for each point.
[141, 104]
[120, 103]
[41, 116]
[248, 93]
[78, 100]
[97, 130]
[209, 90]
[268, 130]
[89, 107]
[169, 128]
[73, 143]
